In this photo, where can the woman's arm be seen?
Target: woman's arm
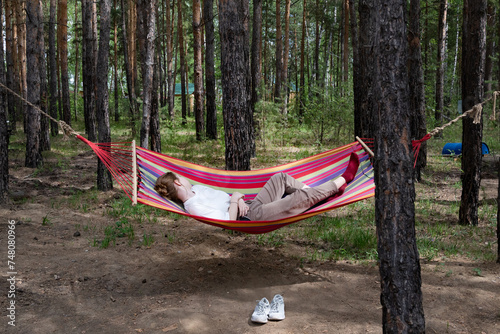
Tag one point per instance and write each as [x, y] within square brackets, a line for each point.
[237, 206]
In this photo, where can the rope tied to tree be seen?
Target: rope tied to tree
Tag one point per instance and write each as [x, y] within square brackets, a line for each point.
[66, 129]
[475, 112]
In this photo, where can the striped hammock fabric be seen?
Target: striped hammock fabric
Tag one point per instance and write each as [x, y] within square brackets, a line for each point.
[312, 171]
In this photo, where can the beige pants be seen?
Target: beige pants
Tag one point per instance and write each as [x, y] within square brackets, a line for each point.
[269, 204]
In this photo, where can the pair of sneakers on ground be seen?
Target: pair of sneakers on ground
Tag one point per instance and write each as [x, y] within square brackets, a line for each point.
[265, 311]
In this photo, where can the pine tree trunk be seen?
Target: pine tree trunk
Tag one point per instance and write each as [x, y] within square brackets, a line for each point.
[346, 41]
[473, 62]
[208, 18]
[132, 49]
[10, 56]
[441, 50]
[279, 55]
[160, 47]
[128, 72]
[154, 127]
[256, 51]
[198, 73]
[104, 180]
[170, 53]
[366, 99]
[148, 61]
[77, 62]
[488, 69]
[88, 69]
[498, 212]
[33, 55]
[115, 64]
[417, 88]
[4, 132]
[21, 54]
[316, 44]
[183, 67]
[399, 266]
[52, 67]
[302, 95]
[455, 59]
[62, 44]
[44, 121]
[357, 81]
[238, 123]
[286, 56]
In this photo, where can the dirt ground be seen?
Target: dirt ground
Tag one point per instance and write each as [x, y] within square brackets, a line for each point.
[196, 278]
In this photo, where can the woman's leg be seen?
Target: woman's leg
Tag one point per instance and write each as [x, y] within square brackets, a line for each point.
[270, 204]
[293, 204]
[278, 185]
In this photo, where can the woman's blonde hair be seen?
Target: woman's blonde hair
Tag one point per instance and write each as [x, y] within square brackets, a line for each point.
[165, 187]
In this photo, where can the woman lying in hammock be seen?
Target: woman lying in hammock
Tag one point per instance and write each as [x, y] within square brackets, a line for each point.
[269, 204]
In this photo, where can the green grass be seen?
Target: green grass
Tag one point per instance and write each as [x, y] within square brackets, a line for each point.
[120, 229]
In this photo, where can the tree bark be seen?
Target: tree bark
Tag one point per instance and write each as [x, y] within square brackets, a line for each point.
[208, 18]
[115, 64]
[473, 63]
[346, 41]
[33, 55]
[132, 49]
[198, 73]
[417, 88]
[104, 180]
[317, 33]
[4, 131]
[88, 67]
[286, 56]
[128, 71]
[52, 68]
[10, 56]
[279, 55]
[488, 69]
[366, 99]
[441, 51]
[238, 123]
[44, 121]
[170, 53]
[62, 44]
[180, 34]
[148, 66]
[387, 53]
[302, 95]
[498, 212]
[154, 127]
[357, 81]
[21, 54]
[77, 62]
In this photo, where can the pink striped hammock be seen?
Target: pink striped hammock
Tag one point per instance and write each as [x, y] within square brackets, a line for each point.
[120, 159]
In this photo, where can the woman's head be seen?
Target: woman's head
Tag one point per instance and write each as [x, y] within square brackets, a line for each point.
[165, 186]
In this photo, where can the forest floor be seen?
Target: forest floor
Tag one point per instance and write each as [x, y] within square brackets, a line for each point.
[195, 278]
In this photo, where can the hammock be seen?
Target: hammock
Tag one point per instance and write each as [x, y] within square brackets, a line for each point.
[120, 158]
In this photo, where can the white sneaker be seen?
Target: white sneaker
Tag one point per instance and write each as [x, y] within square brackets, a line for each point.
[277, 311]
[261, 311]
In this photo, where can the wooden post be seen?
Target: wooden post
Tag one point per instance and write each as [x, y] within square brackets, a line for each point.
[134, 174]
[367, 149]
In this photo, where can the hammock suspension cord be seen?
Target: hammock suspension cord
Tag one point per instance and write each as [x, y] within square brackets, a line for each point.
[136, 169]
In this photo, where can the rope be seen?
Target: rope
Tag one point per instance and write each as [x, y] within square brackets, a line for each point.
[67, 130]
[474, 112]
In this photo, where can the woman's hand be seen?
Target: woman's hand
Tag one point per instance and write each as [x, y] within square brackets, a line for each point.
[237, 198]
[242, 208]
